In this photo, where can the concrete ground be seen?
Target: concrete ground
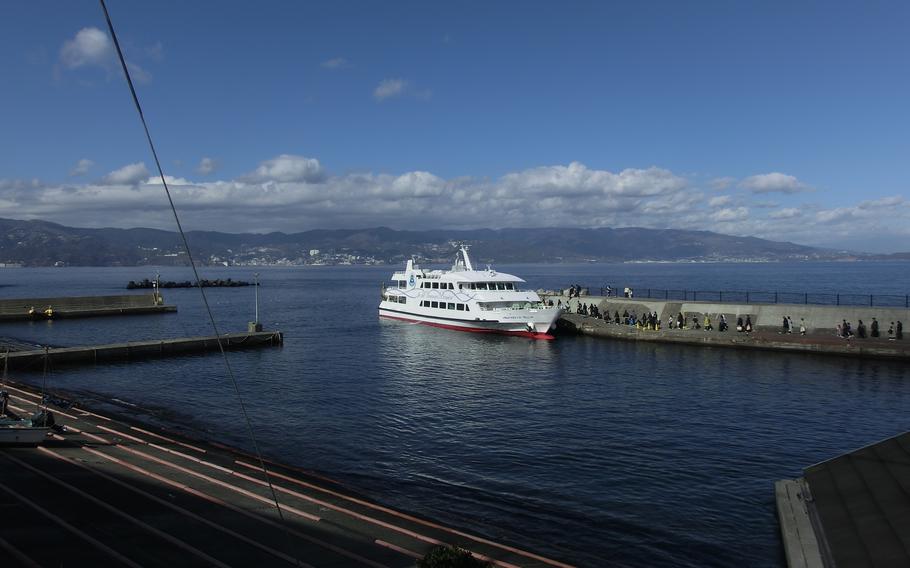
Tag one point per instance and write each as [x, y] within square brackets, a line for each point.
[109, 492]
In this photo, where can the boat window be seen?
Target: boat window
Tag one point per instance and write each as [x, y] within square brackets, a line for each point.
[451, 305]
[467, 307]
[435, 285]
[402, 300]
[481, 285]
[500, 286]
[509, 286]
[459, 307]
[451, 286]
[434, 304]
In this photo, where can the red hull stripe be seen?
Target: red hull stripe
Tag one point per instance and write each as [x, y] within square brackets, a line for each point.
[474, 329]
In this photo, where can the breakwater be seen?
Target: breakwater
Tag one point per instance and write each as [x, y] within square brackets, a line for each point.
[767, 321]
[82, 306]
[134, 350]
[147, 284]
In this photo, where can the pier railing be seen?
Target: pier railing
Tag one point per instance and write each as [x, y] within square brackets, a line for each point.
[766, 297]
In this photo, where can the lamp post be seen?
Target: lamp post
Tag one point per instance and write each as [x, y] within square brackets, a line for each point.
[256, 284]
[255, 325]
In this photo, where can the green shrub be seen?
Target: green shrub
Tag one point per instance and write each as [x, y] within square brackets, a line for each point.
[450, 557]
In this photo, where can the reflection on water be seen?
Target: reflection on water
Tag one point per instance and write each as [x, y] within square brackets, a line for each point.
[592, 451]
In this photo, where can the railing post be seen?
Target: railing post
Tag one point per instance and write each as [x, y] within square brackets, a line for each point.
[806, 301]
[667, 294]
[838, 299]
[871, 301]
[649, 293]
[747, 296]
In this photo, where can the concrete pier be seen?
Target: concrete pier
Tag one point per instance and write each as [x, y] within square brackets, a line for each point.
[17, 309]
[767, 320]
[107, 491]
[135, 350]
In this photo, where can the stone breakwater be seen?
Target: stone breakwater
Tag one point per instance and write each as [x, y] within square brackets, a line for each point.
[767, 320]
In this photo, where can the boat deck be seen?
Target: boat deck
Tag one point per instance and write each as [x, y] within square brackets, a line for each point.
[107, 492]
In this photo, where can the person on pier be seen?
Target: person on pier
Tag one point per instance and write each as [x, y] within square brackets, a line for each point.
[891, 332]
[708, 326]
[680, 321]
[874, 328]
[748, 327]
[786, 326]
[899, 333]
[722, 326]
[861, 330]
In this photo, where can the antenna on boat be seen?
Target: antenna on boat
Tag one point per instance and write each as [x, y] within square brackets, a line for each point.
[463, 249]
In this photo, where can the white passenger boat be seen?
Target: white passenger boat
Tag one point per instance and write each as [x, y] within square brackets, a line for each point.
[466, 299]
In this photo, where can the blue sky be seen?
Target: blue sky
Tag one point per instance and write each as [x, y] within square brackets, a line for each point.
[776, 119]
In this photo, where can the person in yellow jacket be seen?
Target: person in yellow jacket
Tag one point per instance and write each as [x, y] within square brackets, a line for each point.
[49, 312]
[708, 326]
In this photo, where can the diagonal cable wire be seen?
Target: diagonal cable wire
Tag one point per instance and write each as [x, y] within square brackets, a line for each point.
[186, 246]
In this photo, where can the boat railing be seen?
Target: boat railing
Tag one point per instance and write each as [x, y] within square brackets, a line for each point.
[530, 306]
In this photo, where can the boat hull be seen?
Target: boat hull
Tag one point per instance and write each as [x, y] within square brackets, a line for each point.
[540, 331]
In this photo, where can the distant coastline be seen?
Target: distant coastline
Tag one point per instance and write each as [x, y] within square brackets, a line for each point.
[40, 243]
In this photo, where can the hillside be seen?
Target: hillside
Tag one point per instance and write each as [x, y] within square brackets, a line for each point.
[40, 243]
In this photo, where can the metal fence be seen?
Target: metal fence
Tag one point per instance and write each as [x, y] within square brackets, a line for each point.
[766, 297]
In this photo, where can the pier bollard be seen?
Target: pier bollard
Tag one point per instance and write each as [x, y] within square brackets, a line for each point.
[254, 326]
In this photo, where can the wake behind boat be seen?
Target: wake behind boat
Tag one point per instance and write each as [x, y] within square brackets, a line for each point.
[465, 299]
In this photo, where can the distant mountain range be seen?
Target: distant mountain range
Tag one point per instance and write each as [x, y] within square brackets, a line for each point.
[40, 243]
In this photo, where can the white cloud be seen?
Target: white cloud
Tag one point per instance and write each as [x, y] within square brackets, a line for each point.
[389, 88]
[82, 167]
[288, 168]
[722, 183]
[336, 63]
[171, 181]
[294, 193]
[207, 166]
[773, 182]
[90, 46]
[720, 201]
[130, 174]
[730, 214]
[787, 213]
[155, 52]
[139, 74]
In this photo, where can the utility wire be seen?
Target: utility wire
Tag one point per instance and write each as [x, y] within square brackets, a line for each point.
[186, 246]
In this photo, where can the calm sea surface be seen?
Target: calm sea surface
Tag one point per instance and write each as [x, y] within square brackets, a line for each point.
[591, 451]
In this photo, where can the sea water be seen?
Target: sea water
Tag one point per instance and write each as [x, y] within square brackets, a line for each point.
[591, 451]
